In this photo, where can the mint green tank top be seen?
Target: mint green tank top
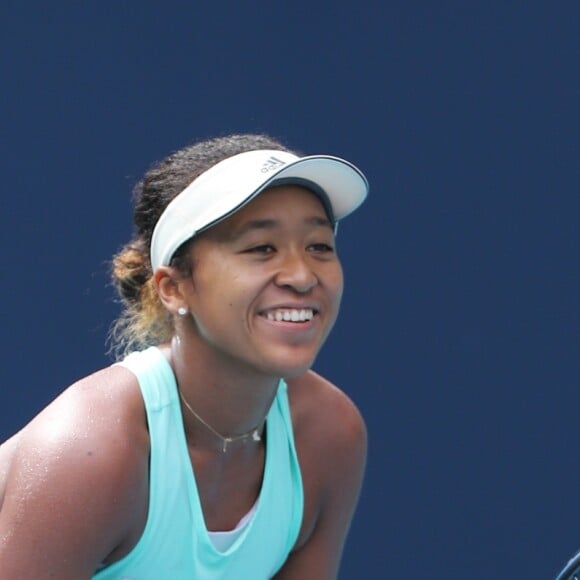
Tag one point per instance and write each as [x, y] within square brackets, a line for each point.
[175, 544]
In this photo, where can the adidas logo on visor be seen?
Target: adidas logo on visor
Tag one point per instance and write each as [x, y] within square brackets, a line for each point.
[271, 164]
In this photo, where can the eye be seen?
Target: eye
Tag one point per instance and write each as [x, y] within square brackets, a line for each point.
[262, 249]
[321, 248]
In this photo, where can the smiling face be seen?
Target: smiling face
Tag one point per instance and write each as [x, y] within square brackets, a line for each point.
[266, 283]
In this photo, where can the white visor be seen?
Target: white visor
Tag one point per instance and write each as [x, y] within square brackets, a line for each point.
[232, 183]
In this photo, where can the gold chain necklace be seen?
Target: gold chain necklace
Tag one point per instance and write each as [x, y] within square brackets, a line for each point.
[253, 433]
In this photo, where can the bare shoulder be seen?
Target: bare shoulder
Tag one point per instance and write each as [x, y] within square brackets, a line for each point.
[103, 411]
[97, 424]
[325, 413]
[331, 443]
[84, 457]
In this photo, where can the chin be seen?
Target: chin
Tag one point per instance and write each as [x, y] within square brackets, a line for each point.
[290, 369]
[293, 373]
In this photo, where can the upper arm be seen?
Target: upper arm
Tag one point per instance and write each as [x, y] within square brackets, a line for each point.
[333, 473]
[67, 494]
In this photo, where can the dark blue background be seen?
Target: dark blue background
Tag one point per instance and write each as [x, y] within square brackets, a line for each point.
[458, 337]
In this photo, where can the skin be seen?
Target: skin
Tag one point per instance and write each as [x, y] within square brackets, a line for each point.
[81, 466]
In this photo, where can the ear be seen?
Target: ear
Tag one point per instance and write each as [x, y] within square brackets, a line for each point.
[169, 284]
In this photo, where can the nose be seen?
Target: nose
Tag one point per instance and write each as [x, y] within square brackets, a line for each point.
[296, 273]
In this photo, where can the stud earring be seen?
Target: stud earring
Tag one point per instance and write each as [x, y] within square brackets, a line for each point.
[182, 311]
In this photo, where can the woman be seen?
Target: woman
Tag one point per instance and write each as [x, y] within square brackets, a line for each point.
[211, 450]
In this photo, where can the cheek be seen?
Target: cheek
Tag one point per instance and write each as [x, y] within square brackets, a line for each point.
[336, 283]
[222, 294]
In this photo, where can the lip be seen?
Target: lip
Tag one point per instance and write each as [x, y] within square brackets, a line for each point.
[303, 329]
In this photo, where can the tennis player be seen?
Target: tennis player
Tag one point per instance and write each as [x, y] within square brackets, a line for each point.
[210, 450]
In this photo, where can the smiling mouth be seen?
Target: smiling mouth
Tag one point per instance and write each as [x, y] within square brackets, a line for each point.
[290, 314]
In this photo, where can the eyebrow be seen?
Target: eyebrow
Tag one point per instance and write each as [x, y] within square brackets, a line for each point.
[270, 224]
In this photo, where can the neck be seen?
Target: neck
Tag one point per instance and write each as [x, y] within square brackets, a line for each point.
[230, 399]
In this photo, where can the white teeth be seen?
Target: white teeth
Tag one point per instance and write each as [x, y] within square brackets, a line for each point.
[292, 315]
